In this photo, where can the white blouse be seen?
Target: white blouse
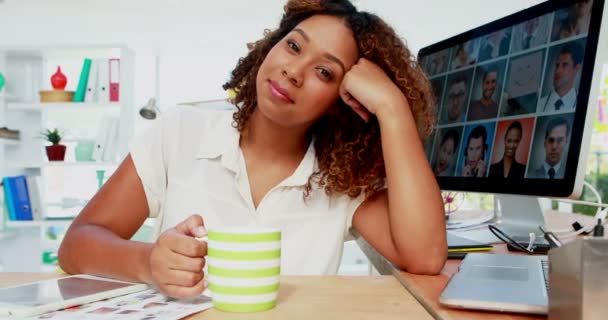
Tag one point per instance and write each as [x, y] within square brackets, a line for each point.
[190, 162]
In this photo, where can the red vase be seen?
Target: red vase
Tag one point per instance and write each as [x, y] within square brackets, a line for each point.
[56, 152]
[58, 80]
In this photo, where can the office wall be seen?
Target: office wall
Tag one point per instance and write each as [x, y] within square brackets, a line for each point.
[200, 40]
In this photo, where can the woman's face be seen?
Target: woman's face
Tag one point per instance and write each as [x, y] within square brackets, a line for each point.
[512, 139]
[475, 151]
[462, 55]
[583, 8]
[445, 155]
[300, 77]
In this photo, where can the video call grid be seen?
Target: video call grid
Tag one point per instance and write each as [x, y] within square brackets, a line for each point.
[506, 58]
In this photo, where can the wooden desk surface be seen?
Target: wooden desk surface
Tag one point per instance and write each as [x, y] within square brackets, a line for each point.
[427, 289]
[311, 297]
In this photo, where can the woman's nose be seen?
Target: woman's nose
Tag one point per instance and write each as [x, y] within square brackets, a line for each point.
[294, 73]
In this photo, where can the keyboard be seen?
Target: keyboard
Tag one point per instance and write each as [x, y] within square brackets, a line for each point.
[545, 266]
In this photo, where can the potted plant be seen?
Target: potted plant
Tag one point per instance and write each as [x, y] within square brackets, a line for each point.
[56, 151]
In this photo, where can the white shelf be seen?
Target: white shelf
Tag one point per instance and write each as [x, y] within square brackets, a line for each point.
[9, 142]
[63, 106]
[28, 165]
[37, 223]
[5, 234]
[69, 51]
[81, 164]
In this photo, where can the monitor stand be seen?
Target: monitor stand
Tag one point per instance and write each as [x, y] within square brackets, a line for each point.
[518, 216]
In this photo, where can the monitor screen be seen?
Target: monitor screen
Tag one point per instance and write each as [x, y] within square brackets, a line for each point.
[512, 99]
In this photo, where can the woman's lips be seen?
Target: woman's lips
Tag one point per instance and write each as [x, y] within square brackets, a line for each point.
[278, 92]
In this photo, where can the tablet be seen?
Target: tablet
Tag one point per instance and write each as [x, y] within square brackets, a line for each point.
[54, 294]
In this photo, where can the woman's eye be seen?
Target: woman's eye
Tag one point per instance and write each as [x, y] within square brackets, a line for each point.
[324, 73]
[293, 46]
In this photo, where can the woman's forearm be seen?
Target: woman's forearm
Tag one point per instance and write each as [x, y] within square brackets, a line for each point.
[95, 250]
[416, 213]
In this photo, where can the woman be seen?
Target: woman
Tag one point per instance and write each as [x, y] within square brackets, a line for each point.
[332, 112]
[446, 152]
[475, 163]
[508, 167]
[462, 57]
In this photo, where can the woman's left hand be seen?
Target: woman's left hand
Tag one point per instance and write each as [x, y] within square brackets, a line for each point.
[481, 168]
[368, 90]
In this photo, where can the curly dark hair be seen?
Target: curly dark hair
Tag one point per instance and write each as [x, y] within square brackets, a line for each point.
[348, 150]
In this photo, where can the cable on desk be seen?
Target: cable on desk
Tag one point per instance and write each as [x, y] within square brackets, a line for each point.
[509, 241]
[577, 227]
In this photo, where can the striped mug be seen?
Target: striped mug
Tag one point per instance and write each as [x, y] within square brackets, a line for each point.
[244, 265]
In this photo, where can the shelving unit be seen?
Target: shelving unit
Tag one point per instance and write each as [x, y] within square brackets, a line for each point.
[6, 234]
[9, 142]
[37, 223]
[27, 70]
[34, 165]
[64, 106]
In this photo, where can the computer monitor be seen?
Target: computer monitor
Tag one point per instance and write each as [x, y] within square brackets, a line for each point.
[516, 99]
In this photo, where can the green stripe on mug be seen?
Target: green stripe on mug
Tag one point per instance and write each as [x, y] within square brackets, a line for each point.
[242, 255]
[243, 290]
[236, 273]
[233, 237]
[244, 307]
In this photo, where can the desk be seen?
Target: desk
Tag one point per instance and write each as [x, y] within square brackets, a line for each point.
[427, 289]
[311, 297]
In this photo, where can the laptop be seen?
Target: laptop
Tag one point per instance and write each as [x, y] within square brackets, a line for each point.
[509, 283]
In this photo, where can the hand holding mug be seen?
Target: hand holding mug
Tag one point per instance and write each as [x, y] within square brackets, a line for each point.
[177, 259]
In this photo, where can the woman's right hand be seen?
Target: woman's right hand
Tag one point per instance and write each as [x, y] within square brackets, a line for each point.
[466, 171]
[481, 168]
[177, 259]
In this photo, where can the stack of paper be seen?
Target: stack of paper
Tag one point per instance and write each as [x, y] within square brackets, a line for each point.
[459, 246]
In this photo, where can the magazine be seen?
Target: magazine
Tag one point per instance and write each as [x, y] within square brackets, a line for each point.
[143, 305]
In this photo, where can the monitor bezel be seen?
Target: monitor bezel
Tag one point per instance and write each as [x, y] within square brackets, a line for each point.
[534, 186]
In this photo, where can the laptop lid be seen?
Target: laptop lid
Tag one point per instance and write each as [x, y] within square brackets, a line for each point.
[513, 283]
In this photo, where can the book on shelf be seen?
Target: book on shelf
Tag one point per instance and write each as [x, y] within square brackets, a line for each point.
[18, 200]
[91, 93]
[99, 81]
[8, 200]
[111, 144]
[114, 80]
[82, 82]
[105, 148]
[22, 198]
[103, 81]
[33, 188]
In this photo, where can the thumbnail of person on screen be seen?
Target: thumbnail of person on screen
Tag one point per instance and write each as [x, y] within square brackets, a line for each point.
[572, 21]
[456, 99]
[485, 107]
[462, 57]
[556, 138]
[531, 34]
[438, 62]
[474, 153]
[446, 153]
[494, 45]
[521, 90]
[437, 85]
[563, 92]
[508, 167]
